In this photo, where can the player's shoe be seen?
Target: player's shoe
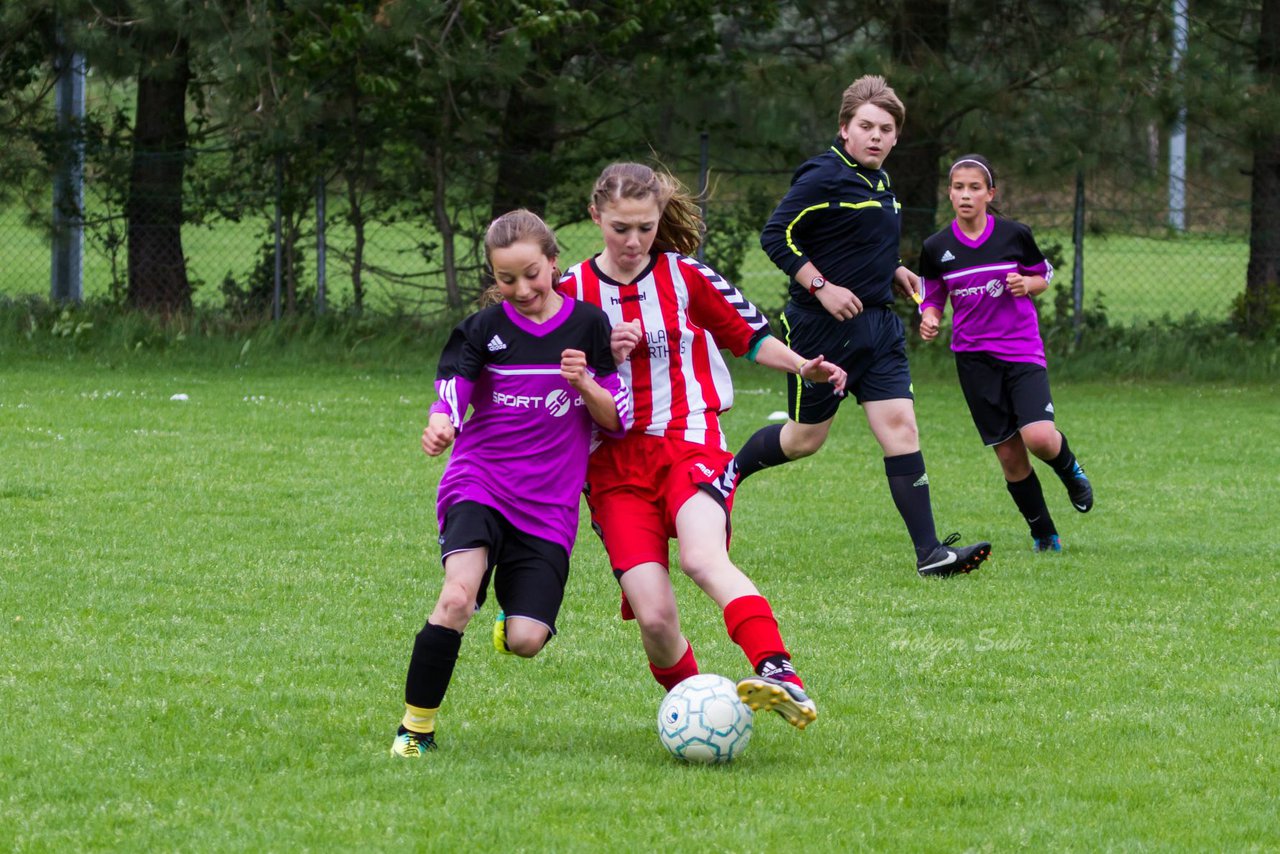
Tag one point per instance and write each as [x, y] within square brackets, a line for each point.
[1079, 490]
[500, 634]
[778, 695]
[1050, 543]
[945, 561]
[412, 745]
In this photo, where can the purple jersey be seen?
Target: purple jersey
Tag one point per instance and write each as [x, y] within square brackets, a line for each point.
[986, 317]
[524, 450]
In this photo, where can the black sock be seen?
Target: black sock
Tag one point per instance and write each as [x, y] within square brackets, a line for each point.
[1064, 464]
[1029, 498]
[435, 652]
[909, 486]
[762, 450]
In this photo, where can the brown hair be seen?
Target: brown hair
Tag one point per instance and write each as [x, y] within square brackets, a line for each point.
[975, 160]
[680, 226]
[872, 89]
[510, 228]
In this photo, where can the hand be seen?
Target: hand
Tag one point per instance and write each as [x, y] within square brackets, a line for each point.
[907, 283]
[1020, 285]
[624, 338]
[573, 367]
[819, 370]
[438, 435]
[842, 303]
[929, 323]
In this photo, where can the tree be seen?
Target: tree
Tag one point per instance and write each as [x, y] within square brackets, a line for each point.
[1260, 305]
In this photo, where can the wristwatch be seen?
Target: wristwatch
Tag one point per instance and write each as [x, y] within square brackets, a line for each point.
[817, 284]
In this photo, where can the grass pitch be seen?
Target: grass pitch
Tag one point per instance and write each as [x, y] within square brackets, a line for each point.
[207, 607]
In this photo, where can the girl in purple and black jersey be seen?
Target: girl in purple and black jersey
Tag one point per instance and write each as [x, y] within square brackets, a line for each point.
[990, 268]
[538, 374]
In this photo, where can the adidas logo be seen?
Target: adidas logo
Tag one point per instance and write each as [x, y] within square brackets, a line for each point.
[923, 481]
[1049, 408]
[496, 344]
[947, 256]
[880, 186]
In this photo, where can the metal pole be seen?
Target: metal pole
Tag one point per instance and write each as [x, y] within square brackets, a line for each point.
[1077, 266]
[321, 295]
[279, 250]
[1178, 135]
[67, 268]
[704, 178]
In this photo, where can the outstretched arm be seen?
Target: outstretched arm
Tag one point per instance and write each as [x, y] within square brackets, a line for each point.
[772, 353]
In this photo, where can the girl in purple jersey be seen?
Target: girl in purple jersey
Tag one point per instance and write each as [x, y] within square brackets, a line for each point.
[538, 373]
[990, 268]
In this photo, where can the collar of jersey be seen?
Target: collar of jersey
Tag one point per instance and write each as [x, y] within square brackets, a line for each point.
[857, 167]
[604, 277]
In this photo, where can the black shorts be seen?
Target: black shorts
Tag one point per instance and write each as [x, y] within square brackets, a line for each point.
[871, 347]
[529, 573]
[1003, 396]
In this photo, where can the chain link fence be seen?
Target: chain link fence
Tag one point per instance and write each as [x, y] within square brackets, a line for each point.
[265, 243]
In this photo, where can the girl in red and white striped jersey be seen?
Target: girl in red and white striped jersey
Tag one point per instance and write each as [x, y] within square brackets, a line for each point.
[671, 475]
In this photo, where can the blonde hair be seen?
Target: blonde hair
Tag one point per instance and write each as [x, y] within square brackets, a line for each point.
[680, 226]
[872, 89]
[513, 227]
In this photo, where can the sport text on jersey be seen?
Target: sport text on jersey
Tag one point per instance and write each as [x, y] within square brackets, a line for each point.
[556, 403]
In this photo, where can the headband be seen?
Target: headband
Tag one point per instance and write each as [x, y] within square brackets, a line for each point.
[991, 182]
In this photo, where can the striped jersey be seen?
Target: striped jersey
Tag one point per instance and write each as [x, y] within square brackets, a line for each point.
[524, 449]
[678, 379]
[986, 317]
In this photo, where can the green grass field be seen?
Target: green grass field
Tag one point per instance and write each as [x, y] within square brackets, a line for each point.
[207, 607]
[1134, 278]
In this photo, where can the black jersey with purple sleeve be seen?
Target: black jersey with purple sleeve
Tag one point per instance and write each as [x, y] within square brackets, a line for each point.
[986, 317]
[524, 449]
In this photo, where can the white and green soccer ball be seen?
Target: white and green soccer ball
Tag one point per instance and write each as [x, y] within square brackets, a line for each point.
[702, 720]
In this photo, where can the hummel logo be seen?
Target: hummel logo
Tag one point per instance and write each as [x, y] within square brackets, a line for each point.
[706, 471]
[923, 481]
[947, 256]
[496, 344]
[1049, 408]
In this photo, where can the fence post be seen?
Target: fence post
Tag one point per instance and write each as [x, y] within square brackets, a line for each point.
[704, 178]
[67, 268]
[321, 296]
[1178, 135]
[279, 250]
[1077, 266]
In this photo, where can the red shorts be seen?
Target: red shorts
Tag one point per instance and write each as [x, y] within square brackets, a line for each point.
[637, 485]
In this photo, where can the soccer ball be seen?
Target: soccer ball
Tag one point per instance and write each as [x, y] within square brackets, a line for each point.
[702, 720]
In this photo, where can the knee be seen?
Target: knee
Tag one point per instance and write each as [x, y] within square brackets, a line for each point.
[1041, 439]
[454, 607]
[525, 638]
[656, 619]
[804, 444]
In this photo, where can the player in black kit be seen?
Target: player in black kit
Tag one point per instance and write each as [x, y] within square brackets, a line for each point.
[835, 234]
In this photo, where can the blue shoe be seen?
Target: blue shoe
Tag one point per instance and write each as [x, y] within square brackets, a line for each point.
[1079, 490]
[1050, 543]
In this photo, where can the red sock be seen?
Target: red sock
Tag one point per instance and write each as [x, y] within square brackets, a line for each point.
[752, 626]
[670, 677]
